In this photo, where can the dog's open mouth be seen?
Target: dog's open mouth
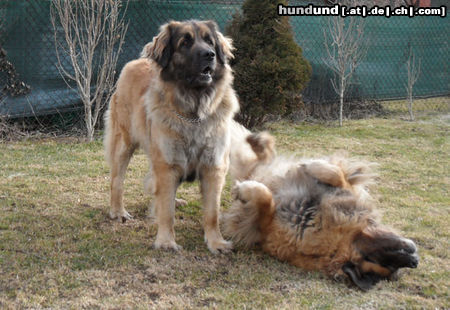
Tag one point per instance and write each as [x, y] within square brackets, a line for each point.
[205, 75]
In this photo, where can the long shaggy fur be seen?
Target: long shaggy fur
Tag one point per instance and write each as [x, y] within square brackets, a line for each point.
[176, 103]
[242, 219]
[316, 214]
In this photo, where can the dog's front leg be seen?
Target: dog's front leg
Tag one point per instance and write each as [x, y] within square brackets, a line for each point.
[211, 183]
[167, 178]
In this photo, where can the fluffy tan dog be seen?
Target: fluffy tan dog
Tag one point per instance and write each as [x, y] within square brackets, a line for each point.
[313, 213]
[176, 103]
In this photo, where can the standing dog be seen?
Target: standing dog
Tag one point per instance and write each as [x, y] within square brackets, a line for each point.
[177, 103]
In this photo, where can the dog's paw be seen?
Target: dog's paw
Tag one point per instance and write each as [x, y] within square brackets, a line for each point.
[219, 246]
[180, 202]
[248, 190]
[121, 216]
[215, 242]
[168, 246]
[162, 243]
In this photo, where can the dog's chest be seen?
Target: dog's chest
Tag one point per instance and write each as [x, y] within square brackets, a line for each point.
[196, 145]
[300, 214]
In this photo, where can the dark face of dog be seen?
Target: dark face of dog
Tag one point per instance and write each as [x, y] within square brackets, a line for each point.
[192, 53]
[378, 254]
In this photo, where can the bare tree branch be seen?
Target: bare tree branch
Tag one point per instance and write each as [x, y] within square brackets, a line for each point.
[413, 72]
[345, 46]
[93, 33]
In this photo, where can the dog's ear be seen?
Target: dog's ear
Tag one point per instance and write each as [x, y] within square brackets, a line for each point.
[160, 49]
[224, 46]
[364, 281]
[147, 50]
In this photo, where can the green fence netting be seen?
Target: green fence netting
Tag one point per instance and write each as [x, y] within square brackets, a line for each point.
[27, 40]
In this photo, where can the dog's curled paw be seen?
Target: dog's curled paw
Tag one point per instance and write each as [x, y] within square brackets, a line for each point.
[220, 246]
[121, 216]
[248, 190]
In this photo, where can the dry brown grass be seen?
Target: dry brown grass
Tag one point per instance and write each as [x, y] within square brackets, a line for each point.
[58, 249]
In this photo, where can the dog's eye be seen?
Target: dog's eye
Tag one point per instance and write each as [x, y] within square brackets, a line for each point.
[208, 40]
[187, 40]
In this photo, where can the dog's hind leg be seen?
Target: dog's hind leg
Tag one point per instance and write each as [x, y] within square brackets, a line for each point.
[119, 157]
[242, 157]
[249, 219]
[263, 144]
[248, 151]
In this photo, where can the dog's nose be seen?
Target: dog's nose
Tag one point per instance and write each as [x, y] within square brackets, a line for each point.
[413, 261]
[208, 54]
[410, 246]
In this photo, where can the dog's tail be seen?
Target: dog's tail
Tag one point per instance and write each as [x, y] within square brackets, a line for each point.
[108, 139]
[248, 220]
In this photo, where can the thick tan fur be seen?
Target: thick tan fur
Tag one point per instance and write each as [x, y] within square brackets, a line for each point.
[146, 111]
[313, 213]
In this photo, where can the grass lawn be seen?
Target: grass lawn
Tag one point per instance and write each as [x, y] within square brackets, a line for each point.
[58, 249]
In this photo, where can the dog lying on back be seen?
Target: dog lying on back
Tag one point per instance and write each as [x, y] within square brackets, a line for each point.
[313, 213]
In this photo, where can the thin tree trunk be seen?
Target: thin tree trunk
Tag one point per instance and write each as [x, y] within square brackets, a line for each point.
[413, 71]
[410, 105]
[346, 46]
[89, 126]
[341, 102]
